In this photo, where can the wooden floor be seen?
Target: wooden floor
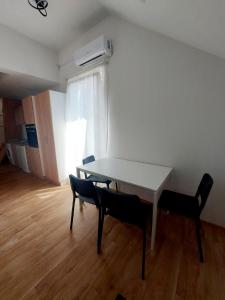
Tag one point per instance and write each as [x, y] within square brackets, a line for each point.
[41, 259]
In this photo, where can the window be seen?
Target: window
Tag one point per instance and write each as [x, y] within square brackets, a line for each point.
[86, 118]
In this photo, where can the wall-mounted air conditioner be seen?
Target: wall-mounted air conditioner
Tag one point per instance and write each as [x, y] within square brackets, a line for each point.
[97, 51]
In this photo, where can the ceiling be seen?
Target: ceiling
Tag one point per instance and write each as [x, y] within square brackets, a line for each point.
[200, 23]
[17, 86]
[66, 19]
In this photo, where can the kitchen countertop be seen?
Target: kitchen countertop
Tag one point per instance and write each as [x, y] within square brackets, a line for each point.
[18, 142]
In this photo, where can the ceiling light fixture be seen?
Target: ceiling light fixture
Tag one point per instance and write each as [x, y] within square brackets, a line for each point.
[40, 5]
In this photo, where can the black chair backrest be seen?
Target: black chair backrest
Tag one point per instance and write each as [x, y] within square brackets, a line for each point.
[88, 159]
[82, 187]
[124, 207]
[203, 190]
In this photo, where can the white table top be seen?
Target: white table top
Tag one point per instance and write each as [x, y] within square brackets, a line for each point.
[143, 175]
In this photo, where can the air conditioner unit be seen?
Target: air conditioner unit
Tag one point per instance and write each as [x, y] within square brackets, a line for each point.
[97, 51]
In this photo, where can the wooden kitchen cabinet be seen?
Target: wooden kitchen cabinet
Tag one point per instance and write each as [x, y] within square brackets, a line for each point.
[34, 161]
[11, 130]
[46, 136]
[46, 111]
[28, 110]
[19, 117]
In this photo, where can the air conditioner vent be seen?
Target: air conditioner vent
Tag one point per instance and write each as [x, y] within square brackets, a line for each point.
[98, 50]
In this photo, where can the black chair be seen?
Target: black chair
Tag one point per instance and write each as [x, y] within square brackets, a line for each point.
[84, 190]
[189, 206]
[126, 208]
[96, 178]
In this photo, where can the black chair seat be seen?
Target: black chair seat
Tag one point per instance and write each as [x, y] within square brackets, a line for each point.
[98, 179]
[88, 200]
[179, 203]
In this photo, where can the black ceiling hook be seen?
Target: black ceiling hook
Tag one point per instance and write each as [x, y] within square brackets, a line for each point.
[40, 5]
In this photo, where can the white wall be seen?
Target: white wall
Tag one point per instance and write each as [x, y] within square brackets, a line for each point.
[166, 106]
[22, 55]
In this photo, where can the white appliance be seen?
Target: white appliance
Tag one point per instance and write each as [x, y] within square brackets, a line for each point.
[9, 154]
[21, 158]
[18, 156]
[97, 51]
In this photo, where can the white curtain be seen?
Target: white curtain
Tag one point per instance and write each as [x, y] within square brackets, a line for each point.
[86, 118]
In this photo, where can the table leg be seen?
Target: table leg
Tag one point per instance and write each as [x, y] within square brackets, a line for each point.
[81, 202]
[154, 221]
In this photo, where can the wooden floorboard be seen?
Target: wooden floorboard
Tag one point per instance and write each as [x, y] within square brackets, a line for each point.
[41, 259]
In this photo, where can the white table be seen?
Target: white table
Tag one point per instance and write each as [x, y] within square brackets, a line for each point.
[142, 175]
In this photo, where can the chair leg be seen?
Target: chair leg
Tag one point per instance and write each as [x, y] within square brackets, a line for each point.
[81, 205]
[72, 212]
[198, 235]
[143, 254]
[100, 229]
